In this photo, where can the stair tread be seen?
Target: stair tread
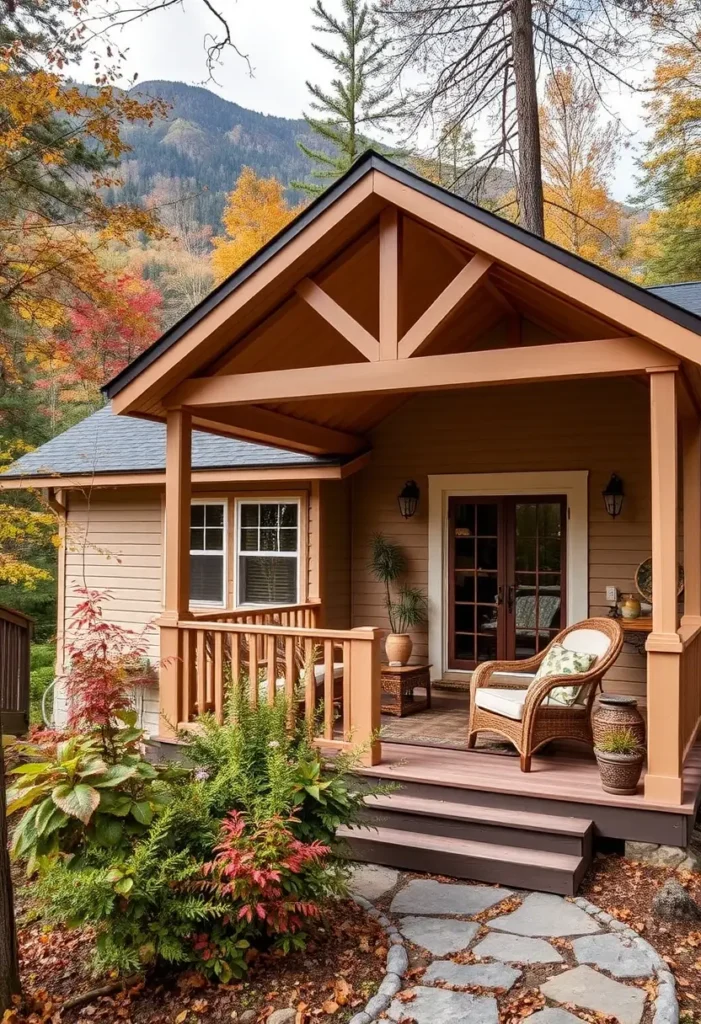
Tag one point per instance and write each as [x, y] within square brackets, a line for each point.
[464, 847]
[528, 820]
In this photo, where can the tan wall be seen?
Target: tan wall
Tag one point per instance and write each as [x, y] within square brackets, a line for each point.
[336, 553]
[600, 426]
[114, 542]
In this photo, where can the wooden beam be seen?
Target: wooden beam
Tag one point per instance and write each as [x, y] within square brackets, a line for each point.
[338, 318]
[448, 302]
[268, 427]
[390, 274]
[560, 361]
[691, 488]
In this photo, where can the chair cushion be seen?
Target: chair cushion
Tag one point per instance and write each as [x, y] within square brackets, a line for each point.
[502, 702]
[564, 661]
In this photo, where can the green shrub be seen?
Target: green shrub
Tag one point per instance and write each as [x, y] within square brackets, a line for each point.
[42, 674]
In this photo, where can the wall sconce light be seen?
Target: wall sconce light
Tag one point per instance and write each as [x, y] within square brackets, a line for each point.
[613, 495]
[408, 499]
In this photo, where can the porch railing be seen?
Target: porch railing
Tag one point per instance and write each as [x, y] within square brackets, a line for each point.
[689, 686]
[15, 636]
[332, 677]
[305, 615]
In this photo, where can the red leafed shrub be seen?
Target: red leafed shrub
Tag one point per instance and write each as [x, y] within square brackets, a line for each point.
[105, 662]
[268, 875]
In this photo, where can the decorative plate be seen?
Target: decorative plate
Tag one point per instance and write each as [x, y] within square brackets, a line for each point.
[643, 579]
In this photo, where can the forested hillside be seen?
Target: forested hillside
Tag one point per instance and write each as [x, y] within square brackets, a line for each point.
[202, 146]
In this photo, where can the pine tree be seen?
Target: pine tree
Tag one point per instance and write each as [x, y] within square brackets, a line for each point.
[356, 101]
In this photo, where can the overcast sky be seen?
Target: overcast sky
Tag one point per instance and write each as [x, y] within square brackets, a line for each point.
[277, 36]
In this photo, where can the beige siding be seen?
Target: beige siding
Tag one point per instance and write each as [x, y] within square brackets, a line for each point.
[600, 426]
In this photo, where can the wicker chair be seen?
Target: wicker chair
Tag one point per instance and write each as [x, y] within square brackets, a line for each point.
[514, 708]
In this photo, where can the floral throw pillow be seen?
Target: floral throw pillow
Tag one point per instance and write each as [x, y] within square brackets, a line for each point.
[561, 662]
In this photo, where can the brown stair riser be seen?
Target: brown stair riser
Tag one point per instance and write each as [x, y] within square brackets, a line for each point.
[477, 869]
[503, 835]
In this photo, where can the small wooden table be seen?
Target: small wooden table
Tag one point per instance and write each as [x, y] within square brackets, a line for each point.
[398, 684]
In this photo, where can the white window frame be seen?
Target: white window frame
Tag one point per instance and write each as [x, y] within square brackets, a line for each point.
[573, 484]
[238, 553]
[224, 553]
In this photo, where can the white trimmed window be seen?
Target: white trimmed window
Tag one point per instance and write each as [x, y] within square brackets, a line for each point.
[208, 553]
[268, 552]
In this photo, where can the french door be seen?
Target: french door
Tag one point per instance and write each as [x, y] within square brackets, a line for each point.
[506, 577]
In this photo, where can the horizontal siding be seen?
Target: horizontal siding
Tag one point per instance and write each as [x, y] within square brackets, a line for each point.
[601, 426]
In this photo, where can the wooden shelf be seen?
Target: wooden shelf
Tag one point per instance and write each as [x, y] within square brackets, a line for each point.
[640, 625]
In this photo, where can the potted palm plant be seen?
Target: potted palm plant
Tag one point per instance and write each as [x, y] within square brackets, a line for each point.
[406, 608]
[620, 756]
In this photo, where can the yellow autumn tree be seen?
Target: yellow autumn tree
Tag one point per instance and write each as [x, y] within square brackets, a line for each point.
[24, 522]
[578, 152]
[668, 243]
[255, 211]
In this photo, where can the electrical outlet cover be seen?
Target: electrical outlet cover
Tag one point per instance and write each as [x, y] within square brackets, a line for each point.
[611, 594]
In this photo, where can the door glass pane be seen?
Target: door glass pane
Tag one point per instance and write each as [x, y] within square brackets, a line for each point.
[538, 579]
[486, 648]
[487, 520]
[464, 618]
[464, 553]
[464, 647]
[526, 550]
[487, 587]
[486, 619]
[464, 586]
[465, 518]
[487, 553]
[475, 580]
[549, 555]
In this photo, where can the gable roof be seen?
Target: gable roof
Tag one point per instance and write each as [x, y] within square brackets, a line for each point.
[366, 163]
[105, 443]
[686, 294]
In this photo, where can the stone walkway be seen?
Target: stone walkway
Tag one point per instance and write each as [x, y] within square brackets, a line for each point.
[468, 953]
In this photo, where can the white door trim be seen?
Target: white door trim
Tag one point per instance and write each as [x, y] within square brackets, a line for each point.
[573, 484]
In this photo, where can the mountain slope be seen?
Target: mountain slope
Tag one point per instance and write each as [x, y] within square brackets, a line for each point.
[203, 144]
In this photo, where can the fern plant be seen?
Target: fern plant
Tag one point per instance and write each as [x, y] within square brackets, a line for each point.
[409, 608]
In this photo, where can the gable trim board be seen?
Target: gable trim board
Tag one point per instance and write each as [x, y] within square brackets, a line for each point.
[574, 485]
[626, 303]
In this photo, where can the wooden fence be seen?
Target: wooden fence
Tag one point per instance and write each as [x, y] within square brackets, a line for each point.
[15, 637]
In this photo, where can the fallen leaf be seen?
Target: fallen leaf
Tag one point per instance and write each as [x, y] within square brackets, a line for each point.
[330, 1006]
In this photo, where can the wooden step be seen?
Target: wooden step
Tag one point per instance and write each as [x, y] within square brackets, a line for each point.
[497, 825]
[464, 858]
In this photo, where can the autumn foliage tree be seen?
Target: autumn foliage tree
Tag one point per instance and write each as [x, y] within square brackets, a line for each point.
[255, 211]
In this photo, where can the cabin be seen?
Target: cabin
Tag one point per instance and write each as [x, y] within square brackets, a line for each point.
[398, 360]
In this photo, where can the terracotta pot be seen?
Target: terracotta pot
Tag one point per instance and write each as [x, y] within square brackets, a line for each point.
[617, 713]
[620, 773]
[398, 648]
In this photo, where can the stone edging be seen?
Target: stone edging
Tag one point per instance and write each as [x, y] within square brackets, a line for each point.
[395, 968]
[666, 1005]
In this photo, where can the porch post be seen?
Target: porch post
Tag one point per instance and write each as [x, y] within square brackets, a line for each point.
[176, 567]
[663, 782]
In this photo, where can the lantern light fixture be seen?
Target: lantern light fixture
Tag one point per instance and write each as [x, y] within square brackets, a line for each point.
[613, 495]
[408, 499]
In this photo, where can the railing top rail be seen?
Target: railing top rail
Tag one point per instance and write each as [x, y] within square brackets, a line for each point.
[18, 618]
[259, 609]
[361, 633]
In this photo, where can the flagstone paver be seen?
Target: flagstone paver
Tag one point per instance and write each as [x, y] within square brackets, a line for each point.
[591, 990]
[518, 949]
[505, 953]
[437, 935]
[440, 1006]
[426, 896]
[613, 953]
[546, 915]
[485, 975]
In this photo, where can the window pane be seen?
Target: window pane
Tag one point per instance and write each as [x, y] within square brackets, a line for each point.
[249, 515]
[249, 540]
[268, 540]
[197, 515]
[269, 515]
[265, 580]
[214, 539]
[196, 540]
[214, 515]
[288, 515]
[288, 540]
[206, 578]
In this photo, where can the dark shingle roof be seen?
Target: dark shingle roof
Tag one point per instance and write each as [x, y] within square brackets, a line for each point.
[106, 443]
[687, 295]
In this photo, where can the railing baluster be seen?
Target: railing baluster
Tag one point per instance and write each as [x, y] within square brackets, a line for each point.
[309, 680]
[201, 670]
[219, 676]
[272, 667]
[290, 680]
[347, 691]
[253, 667]
[236, 659]
[329, 689]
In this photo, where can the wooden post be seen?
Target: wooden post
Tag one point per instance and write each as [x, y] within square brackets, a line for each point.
[178, 492]
[691, 462]
[663, 781]
[390, 270]
[365, 692]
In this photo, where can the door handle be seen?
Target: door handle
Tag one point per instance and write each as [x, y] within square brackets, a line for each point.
[500, 596]
[511, 595]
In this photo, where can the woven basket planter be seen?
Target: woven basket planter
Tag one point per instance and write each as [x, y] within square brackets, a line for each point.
[614, 713]
[620, 773]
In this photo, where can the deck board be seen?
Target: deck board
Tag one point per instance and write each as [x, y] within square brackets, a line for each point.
[567, 776]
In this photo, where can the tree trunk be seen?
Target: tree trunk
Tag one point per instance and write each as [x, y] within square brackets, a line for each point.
[530, 186]
[9, 968]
